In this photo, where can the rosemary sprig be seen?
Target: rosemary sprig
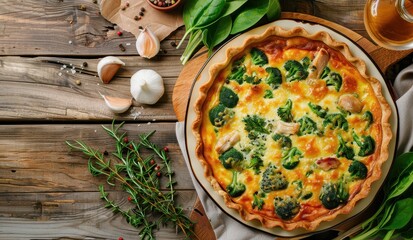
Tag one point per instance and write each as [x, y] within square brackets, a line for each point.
[139, 177]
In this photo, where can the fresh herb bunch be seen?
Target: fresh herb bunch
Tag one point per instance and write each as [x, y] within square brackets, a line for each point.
[394, 218]
[210, 22]
[139, 176]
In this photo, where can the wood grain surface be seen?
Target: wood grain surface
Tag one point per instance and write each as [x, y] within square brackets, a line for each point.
[45, 189]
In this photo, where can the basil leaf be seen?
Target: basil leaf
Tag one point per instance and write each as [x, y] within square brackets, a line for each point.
[217, 32]
[274, 10]
[252, 12]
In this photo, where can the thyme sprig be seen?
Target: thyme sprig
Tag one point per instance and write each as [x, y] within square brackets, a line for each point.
[139, 176]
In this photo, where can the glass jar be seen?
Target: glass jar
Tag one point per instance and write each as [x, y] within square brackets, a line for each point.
[390, 23]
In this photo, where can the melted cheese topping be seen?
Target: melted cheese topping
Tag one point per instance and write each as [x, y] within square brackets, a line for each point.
[323, 144]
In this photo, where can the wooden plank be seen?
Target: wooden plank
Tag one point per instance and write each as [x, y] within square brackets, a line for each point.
[56, 27]
[35, 158]
[73, 215]
[32, 89]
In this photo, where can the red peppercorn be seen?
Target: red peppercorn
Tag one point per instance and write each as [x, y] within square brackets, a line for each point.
[129, 198]
[157, 168]
[158, 174]
[130, 146]
[152, 162]
[166, 149]
[119, 33]
[120, 238]
[125, 140]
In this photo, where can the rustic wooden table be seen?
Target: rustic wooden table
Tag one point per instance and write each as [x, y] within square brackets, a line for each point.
[46, 191]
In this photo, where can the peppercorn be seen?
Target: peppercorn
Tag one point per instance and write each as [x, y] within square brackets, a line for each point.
[166, 149]
[141, 14]
[120, 238]
[152, 162]
[125, 139]
[122, 48]
[84, 64]
[137, 18]
[157, 168]
[105, 153]
[129, 198]
[119, 33]
[158, 174]
[143, 9]
[173, 44]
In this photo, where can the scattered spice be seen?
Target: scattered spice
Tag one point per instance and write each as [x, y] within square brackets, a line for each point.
[140, 27]
[78, 82]
[120, 238]
[141, 14]
[84, 64]
[129, 198]
[95, 1]
[143, 9]
[122, 48]
[105, 153]
[123, 8]
[119, 33]
[173, 44]
[137, 18]
[82, 7]
[125, 139]
[127, 4]
[152, 162]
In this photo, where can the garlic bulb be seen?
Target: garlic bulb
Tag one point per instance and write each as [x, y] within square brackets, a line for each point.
[108, 67]
[147, 44]
[117, 105]
[146, 86]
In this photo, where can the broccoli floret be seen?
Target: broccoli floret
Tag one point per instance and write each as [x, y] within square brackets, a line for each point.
[295, 71]
[367, 146]
[332, 78]
[273, 180]
[317, 110]
[230, 158]
[291, 158]
[306, 61]
[285, 141]
[284, 112]
[256, 163]
[219, 115]
[368, 117]
[274, 78]
[258, 57]
[307, 126]
[258, 202]
[228, 97]
[268, 94]
[255, 123]
[253, 79]
[336, 120]
[325, 73]
[344, 150]
[235, 188]
[286, 207]
[333, 194]
[238, 70]
[357, 170]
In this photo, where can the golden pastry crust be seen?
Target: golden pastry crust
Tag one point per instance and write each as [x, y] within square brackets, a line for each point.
[310, 216]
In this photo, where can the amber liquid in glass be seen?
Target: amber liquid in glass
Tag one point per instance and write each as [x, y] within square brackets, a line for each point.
[386, 26]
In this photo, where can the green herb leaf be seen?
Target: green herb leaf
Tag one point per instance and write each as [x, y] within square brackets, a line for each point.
[274, 10]
[216, 33]
[404, 212]
[252, 12]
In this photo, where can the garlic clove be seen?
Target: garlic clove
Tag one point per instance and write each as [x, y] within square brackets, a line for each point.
[108, 67]
[147, 44]
[147, 86]
[117, 105]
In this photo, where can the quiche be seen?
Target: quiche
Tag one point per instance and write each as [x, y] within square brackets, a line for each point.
[290, 129]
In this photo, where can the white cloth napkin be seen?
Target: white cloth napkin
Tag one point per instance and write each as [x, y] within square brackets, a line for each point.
[226, 228]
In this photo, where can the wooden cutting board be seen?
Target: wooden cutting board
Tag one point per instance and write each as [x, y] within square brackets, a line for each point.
[384, 58]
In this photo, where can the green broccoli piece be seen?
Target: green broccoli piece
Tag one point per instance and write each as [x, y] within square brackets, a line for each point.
[317, 110]
[357, 170]
[336, 120]
[286, 207]
[231, 158]
[307, 126]
[291, 158]
[217, 114]
[284, 112]
[268, 94]
[274, 78]
[295, 71]
[325, 73]
[368, 117]
[256, 163]
[255, 123]
[273, 180]
[258, 202]
[306, 61]
[258, 57]
[235, 188]
[237, 71]
[344, 150]
[253, 79]
[285, 141]
[367, 146]
[332, 78]
[228, 98]
[333, 194]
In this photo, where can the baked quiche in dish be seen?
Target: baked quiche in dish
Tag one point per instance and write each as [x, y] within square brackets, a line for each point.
[290, 129]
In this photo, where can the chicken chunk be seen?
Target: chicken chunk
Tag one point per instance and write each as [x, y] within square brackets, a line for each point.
[350, 103]
[328, 163]
[227, 141]
[287, 128]
[317, 65]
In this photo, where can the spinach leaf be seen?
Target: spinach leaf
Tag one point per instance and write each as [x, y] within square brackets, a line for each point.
[232, 6]
[274, 10]
[251, 13]
[216, 33]
[206, 12]
[404, 212]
